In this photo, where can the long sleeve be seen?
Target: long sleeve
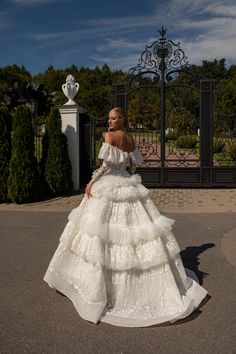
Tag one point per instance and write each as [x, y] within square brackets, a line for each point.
[135, 159]
[105, 167]
[132, 167]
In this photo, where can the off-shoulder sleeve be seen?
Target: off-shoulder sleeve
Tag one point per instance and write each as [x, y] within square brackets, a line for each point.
[110, 154]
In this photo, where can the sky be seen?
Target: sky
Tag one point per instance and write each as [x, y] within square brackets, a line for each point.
[40, 33]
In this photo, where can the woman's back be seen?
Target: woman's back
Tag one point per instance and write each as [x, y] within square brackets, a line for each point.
[121, 140]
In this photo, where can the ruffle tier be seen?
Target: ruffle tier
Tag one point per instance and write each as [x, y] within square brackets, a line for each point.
[119, 257]
[98, 231]
[117, 233]
[118, 187]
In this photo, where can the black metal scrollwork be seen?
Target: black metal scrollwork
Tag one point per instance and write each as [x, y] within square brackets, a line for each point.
[161, 56]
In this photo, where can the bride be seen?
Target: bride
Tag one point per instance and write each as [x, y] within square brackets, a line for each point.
[117, 259]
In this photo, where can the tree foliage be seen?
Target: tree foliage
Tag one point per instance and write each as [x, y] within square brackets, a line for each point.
[182, 121]
[44, 90]
[95, 90]
[23, 180]
[5, 151]
[55, 164]
[17, 87]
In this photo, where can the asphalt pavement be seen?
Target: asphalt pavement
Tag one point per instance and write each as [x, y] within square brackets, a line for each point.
[36, 319]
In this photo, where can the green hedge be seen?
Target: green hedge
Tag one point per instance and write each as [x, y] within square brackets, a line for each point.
[186, 141]
[55, 163]
[231, 148]
[171, 136]
[5, 151]
[218, 145]
[23, 180]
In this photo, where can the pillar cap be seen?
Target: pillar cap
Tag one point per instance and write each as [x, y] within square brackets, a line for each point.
[71, 108]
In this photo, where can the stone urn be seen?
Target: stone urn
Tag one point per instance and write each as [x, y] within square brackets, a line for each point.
[70, 89]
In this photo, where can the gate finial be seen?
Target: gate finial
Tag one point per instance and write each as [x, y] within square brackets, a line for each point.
[162, 32]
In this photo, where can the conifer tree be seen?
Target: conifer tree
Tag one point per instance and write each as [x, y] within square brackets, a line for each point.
[23, 180]
[58, 170]
[42, 163]
[5, 151]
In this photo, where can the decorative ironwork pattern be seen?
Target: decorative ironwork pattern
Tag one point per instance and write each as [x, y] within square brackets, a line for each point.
[181, 158]
[161, 56]
[224, 140]
[173, 117]
[150, 150]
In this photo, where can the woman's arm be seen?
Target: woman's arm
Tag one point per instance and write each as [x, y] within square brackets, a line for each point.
[105, 167]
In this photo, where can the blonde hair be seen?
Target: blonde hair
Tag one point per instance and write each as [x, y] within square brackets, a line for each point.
[121, 114]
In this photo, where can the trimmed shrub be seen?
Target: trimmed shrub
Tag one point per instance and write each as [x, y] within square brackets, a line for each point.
[23, 180]
[218, 145]
[58, 170]
[172, 135]
[231, 148]
[5, 151]
[186, 141]
[42, 163]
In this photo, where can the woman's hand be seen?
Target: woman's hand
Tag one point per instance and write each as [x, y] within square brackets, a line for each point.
[88, 190]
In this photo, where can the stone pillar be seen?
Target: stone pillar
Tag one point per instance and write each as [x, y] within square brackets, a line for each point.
[70, 127]
[70, 112]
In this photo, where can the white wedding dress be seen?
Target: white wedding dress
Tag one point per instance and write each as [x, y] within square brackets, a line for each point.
[118, 260]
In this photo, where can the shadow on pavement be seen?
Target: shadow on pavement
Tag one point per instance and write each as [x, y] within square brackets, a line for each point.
[190, 259]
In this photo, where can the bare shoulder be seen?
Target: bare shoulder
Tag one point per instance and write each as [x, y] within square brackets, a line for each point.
[131, 140]
[108, 137]
[130, 135]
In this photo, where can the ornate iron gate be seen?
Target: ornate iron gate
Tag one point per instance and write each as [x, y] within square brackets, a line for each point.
[177, 153]
[170, 111]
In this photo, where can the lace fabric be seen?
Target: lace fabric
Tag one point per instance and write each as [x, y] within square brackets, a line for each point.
[105, 168]
[117, 259]
[115, 159]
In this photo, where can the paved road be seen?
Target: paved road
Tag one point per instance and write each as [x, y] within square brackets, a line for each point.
[170, 200]
[35, 319]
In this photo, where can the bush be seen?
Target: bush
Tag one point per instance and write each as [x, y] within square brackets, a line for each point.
[57, 170]
[42, 163]
[231, 149]
[218, 145]
[182, 120]
[172, 135]
[186, 141]
[23, 180]
[5, 151]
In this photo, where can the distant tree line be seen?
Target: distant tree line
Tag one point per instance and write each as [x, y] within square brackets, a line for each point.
[42, 91]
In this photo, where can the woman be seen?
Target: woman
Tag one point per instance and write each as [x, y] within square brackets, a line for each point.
[117, 259]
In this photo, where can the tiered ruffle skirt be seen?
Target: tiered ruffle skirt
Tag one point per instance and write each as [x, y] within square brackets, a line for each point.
[118, 260]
